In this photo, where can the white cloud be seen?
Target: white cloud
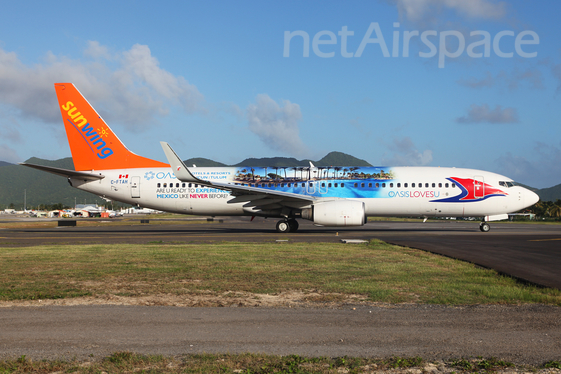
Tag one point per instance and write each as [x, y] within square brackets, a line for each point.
[531, 78]
[129, 86]
[96, 50]
[356, 123]
[556, 71]
[544, 170]
[421, 10]
[8, 154]
[277, 126]
[473, 82]
[406, 154]
[482, 113]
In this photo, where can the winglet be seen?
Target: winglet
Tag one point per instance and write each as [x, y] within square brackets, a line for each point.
[179, 169]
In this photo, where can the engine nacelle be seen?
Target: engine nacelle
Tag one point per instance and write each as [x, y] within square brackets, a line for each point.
[336, 213]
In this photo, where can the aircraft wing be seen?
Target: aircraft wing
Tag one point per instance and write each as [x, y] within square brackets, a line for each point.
[65, 172]
[254, 196]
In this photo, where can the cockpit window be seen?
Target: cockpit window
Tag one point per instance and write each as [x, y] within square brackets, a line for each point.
[507, 184]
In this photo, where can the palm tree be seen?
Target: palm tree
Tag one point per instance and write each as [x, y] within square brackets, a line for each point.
[555, 209]
[336, 170]
[295, 170]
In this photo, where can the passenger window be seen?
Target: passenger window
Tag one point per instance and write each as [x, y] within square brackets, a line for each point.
[323, 184]
[440, 185]
[336, 185]
[356, 184]
[377, 185]
[405, 185]
[282, 184]
[369, 185]
[311, 184]
[362, 185]
[446, 185]
[159, 185]
[342, 184]
[426, 185]
[303, 184]
[329, 185]
[453, 185]
[182, 185]
[399, 185]
[413, 185]
[391, 185]
[165, 185]
[383, 185]
[289, 185]
[433, 185]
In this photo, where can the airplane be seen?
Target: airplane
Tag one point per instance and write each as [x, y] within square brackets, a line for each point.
[327, 196]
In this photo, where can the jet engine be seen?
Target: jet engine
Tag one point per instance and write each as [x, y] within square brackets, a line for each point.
[336, 213]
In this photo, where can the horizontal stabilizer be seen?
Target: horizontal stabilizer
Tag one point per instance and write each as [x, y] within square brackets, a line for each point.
[65, 172]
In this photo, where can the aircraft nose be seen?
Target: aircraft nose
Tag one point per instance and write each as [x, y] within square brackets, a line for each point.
[531, 198]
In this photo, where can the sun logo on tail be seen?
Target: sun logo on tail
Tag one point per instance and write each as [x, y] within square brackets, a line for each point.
[103, 132]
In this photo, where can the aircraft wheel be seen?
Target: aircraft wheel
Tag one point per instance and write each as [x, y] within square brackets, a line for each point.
[283, 226]
[293, 225]
[484, 227]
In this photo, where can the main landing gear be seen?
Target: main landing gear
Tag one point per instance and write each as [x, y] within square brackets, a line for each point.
[484, 227]
[287, 225]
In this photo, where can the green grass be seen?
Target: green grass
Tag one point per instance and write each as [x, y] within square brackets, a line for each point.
[128, 362]
[378, 271]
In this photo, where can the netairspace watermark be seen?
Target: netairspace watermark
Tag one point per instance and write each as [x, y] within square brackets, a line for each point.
[455, 40]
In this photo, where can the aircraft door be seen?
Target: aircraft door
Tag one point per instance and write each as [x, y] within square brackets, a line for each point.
[135, 187]
[478, 187]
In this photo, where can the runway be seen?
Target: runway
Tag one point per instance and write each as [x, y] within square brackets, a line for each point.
[529, 334]
[528, 252]
[525, 335]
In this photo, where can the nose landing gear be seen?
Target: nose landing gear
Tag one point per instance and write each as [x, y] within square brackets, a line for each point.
[484, 227]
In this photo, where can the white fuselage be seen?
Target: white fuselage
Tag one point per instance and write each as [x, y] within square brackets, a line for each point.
[403, 191]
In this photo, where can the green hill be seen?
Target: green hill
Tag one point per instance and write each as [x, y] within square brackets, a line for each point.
[332, 159]
[272, 161]
[341, 159]
[202, 162]
[550, 193]
[17, 181]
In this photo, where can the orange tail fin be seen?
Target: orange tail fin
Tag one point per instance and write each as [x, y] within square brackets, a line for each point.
[93, 144]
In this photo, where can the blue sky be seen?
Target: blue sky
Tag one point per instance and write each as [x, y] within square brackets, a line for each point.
[215, 80]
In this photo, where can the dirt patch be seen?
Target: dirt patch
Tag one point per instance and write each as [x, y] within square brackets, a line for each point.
[227, 299]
